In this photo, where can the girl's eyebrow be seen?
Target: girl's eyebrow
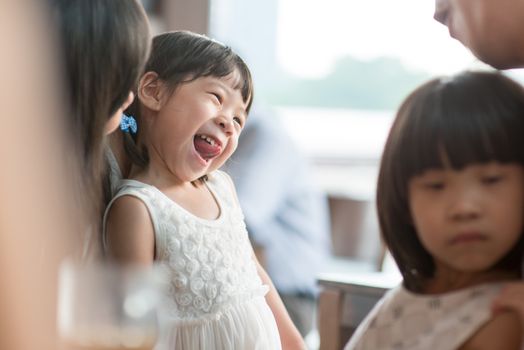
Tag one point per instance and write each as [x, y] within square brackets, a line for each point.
[214, 81]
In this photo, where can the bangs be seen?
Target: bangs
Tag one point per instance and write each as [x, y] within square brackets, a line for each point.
[455, 127]
[183, 56]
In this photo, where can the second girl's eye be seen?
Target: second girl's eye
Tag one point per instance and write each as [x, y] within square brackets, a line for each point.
[434, 185]
[491, 179]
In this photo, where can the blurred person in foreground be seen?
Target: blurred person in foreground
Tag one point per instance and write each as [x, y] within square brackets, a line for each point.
[52, 158]
[36, 215]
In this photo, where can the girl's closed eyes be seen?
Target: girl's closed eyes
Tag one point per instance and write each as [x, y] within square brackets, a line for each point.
[217, 97]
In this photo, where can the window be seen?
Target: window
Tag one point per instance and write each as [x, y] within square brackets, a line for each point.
[336, 70]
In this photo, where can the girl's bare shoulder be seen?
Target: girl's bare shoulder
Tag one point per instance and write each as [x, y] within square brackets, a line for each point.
[129, 231]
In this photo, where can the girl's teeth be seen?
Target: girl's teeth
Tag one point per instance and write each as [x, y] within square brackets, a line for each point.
[208, 139]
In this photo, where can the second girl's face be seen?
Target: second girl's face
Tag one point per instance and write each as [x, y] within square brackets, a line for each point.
[197, 128]
[491, 29]
[468, 219]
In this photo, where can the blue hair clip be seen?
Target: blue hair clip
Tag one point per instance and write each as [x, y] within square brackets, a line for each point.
[128, 124]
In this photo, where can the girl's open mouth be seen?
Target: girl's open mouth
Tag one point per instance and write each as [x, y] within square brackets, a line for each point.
[207, 146]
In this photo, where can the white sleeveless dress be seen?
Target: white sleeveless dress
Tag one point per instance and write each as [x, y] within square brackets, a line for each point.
[215, 296]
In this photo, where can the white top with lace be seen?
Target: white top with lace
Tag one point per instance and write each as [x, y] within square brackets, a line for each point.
[215, 295]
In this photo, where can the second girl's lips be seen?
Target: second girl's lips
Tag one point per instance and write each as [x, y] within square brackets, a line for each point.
[207, 146]
[468, 237]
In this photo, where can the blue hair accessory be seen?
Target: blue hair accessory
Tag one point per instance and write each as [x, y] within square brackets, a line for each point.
[128, 124]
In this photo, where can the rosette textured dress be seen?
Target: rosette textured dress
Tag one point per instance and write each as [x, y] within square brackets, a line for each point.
[215, 296]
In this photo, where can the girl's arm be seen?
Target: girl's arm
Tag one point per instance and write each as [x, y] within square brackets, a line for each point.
[129, 232]
[503, 331]
[289, 334]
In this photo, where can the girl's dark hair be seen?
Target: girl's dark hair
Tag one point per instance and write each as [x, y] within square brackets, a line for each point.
[105, 46]
[472, 117]
[180, 57]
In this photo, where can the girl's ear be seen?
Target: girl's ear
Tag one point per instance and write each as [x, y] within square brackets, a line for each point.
[150, 91]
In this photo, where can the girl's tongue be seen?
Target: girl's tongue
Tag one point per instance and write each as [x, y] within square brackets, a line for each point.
[206, 147]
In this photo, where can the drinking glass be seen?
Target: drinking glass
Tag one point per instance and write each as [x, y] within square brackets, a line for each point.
[105, 306]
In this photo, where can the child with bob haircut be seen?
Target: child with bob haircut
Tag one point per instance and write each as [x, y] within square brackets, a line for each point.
[450, 200]
[179, 210]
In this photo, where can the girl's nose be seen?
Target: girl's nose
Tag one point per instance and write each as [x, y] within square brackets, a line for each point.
[464, 205]
[225, 123]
